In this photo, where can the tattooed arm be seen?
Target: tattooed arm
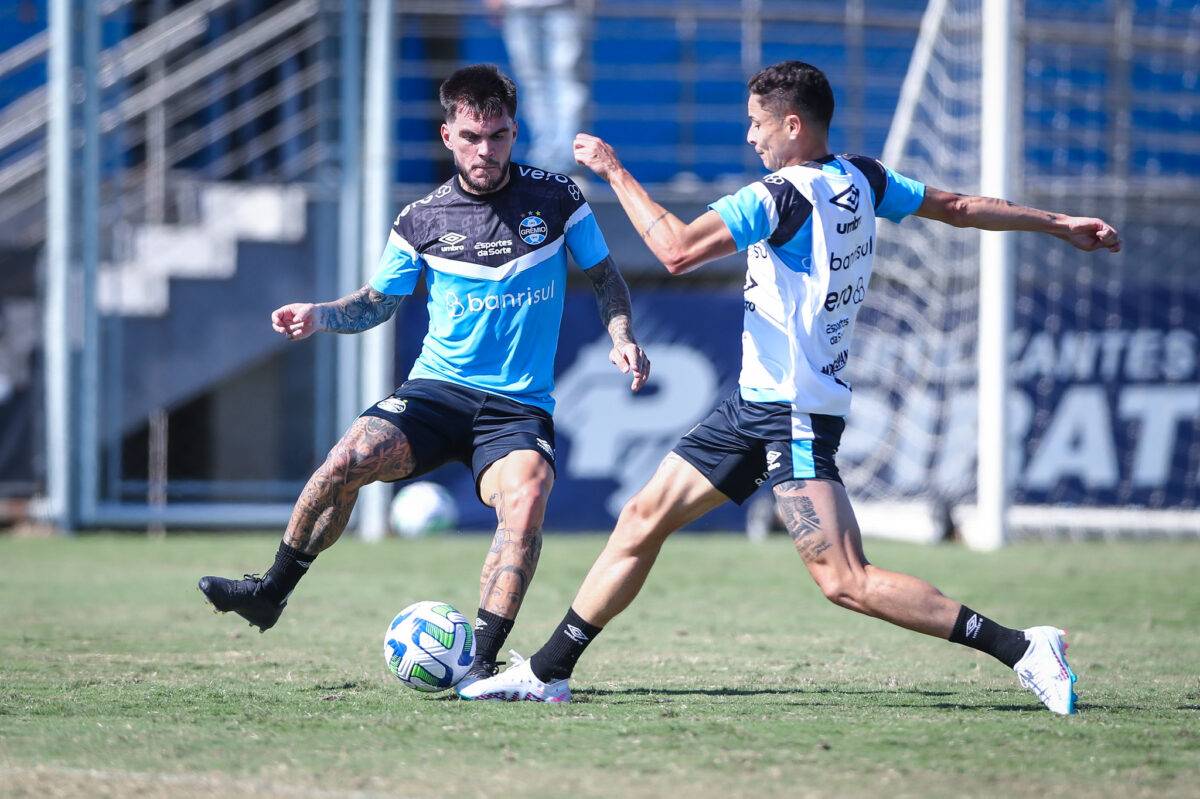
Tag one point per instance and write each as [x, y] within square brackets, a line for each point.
[612, 295]
[354, 313]
[989, 213]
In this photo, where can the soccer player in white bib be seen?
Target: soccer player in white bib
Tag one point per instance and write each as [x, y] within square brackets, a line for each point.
[809, 232]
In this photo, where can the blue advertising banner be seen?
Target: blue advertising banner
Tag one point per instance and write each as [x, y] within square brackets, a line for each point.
[1105, 408]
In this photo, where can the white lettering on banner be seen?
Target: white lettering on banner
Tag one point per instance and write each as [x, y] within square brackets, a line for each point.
[1158, 411]
[616, 434]
[1078, 443]
[1144, 354]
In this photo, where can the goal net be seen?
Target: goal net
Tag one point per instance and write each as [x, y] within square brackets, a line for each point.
[1104, 403]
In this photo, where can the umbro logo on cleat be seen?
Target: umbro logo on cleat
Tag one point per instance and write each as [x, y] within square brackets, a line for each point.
[576, 634]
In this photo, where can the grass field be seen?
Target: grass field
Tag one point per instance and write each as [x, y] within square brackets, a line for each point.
[730, 676]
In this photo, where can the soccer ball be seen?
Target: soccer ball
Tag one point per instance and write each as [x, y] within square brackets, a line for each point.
[429, 646]
[423, 509]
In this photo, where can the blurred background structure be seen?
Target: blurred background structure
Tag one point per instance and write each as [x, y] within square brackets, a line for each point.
[172, 171]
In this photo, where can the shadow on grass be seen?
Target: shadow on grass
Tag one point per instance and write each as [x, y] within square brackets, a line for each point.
[745, 692]
[592, 694]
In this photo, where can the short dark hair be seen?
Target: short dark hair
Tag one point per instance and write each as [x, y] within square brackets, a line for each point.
[794, 86]
[481, 89]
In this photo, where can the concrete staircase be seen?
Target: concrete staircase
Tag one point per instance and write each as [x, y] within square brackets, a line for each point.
[139, 285]
[190, 304]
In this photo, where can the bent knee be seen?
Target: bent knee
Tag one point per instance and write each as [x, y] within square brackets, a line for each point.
[844, 590]
[347, 467]
[526, 499]
[640, 525]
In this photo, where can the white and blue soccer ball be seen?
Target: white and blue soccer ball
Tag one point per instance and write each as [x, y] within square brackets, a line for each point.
[429, 646]
[424, 508]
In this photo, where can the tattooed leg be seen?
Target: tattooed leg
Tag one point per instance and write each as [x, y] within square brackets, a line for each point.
[819, 519]
[518, 487]
[372, 449]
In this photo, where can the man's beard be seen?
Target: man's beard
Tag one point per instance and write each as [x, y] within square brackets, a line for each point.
[488, 183]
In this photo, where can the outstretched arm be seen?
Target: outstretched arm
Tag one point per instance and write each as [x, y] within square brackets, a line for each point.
[680, 246]
[354, 313]
[612, 295]
[988, 213]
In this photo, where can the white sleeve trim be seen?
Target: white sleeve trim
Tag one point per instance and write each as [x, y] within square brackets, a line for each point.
[580, 214]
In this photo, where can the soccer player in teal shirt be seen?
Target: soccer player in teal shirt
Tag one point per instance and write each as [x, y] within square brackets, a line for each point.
[492, 244]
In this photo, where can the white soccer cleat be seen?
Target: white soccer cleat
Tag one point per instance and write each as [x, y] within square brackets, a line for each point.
[1044, 670]
[517, 683]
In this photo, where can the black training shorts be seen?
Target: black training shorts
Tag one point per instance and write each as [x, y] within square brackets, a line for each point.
[446, 422]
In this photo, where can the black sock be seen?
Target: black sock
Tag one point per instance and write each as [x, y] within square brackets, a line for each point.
[557, 657]
[980, 632]
[491, 631]
[280, 580]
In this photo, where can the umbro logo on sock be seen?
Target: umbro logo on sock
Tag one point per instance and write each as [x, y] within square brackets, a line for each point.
[480, 624]
[973, 625]
[575, 634]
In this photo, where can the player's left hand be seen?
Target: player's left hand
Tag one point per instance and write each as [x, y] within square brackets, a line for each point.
[630, 357]
[1092, 234]
[597, 155]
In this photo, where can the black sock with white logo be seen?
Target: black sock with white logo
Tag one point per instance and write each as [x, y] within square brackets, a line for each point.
[491, 631]
[557, 657]
[979, 632]
[290, 565]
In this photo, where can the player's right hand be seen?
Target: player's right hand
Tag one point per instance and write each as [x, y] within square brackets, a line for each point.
[1090, 234]
[629, 357]
[297, 320]
[596, 154]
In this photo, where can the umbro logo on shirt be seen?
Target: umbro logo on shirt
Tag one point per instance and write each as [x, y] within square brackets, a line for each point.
[452, 242]
[847, 199]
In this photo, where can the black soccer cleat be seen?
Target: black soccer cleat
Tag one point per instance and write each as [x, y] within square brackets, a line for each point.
[244, 597]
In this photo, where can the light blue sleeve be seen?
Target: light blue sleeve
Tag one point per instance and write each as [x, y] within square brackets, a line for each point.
[747, 214]
[399, 268]
[585, 241]
[902, 197]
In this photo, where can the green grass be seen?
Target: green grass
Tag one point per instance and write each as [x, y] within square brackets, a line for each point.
[730, 676]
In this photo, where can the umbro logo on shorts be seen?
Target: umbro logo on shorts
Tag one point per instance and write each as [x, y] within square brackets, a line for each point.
[393, 405]
[773, 461]
[545, 445]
